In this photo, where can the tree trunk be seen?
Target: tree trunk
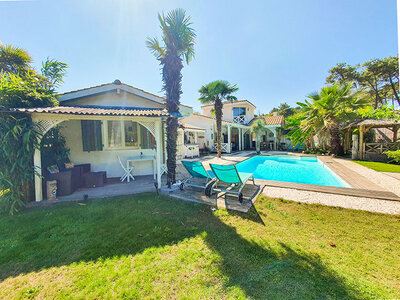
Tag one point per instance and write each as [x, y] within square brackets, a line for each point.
[258, 144]
[396, 94]
[336, 147]
[172, 77]
[218, 116]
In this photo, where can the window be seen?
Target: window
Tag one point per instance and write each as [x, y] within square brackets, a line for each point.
[131, 134]
[239, 111]
[114, 130]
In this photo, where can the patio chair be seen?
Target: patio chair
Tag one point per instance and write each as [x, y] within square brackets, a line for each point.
[229, 180]
[127, 171]
[199, 177]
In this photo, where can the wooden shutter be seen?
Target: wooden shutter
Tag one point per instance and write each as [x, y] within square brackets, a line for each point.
[91, 135]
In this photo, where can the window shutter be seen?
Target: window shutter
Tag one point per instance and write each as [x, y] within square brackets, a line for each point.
[91, 135]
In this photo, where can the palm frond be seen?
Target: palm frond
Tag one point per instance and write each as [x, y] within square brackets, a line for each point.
[155, 48]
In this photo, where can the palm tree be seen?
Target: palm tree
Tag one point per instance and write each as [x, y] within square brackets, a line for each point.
[214, 93]
[258, 128]
[178, 45]
[331, 107]
[13, 59]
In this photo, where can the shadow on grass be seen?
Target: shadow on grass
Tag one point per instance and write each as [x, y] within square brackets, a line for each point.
[55, 236]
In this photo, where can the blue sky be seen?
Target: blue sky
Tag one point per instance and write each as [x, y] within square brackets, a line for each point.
[274, 50]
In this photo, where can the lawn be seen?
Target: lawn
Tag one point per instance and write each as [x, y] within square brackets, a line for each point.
[379, 166]
[147, 246]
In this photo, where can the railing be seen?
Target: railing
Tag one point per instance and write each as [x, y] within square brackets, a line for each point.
[381, 147]
[224, 147]
[240, 119]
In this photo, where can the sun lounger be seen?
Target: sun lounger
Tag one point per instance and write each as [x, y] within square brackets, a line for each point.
[229, 180]
[199, 177]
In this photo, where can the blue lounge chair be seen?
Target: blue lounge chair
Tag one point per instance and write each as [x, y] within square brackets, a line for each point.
[229, 180]
[199, 177]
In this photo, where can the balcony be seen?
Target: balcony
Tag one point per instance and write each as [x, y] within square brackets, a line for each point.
[240, 119]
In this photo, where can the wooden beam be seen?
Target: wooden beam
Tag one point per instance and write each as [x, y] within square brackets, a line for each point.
[361, 146]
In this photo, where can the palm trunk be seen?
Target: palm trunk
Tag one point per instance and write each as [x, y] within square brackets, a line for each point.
[172, 77]
[336, 147]
[218, 117]
[258, 144]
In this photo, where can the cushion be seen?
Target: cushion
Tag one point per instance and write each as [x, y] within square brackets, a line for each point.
[53, 169]
[69, 165]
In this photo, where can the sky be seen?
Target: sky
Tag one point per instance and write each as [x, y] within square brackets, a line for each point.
[274, 50]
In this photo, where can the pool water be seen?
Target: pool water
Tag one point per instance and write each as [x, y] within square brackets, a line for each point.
[288, 168]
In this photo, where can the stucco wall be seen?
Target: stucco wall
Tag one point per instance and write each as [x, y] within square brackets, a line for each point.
[105, 160]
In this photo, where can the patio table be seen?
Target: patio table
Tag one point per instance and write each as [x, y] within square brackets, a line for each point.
[133, 159]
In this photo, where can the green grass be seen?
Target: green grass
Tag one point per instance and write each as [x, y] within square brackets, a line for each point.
[147, 246]
[379, 166]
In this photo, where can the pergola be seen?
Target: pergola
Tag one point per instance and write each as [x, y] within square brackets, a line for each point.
[360, 148]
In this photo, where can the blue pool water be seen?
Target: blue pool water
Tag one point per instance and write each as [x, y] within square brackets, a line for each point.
[290, 169]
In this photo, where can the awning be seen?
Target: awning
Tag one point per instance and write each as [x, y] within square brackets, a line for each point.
[95, 110]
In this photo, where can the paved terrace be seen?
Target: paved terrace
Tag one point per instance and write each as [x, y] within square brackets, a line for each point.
[371, 190]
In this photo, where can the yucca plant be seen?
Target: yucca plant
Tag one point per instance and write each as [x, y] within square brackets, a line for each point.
[258, 128]
[177, 46]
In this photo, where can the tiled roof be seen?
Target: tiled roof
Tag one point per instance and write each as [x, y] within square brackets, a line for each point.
[96, 110]
[233, 102]
[273, 120]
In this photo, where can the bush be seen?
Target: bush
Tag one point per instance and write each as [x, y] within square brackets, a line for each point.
[18, 141]
[394, 155]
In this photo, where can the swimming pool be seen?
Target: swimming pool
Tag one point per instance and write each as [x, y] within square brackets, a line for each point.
[289, 168]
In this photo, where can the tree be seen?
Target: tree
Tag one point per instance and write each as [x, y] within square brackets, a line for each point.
[20, 86]
[54, 71]
[258, 129]
[214, 93]
[178, 45]
[283, 109]
[14, 59]
[377, 79]
[322, 116]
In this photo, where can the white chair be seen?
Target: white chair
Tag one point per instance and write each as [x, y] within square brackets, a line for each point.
[128, 171]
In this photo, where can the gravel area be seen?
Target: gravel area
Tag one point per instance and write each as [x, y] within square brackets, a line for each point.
[368, 204]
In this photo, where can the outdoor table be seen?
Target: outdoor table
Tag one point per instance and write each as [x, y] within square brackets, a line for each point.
[133, 159]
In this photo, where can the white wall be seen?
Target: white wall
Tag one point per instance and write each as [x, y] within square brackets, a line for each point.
[227, 111]
[105, 160]
[203, 122]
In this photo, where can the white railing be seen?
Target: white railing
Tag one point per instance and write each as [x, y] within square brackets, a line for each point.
[240, 119]
[224, 148]
[189, 150]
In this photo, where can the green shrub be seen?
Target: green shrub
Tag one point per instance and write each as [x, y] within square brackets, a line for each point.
[394, 155]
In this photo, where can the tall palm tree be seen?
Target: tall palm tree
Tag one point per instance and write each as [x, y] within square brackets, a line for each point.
[214, 93]
[258, 128]
[177, 45]
[14, 59]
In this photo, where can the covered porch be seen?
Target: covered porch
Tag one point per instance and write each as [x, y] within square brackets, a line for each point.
[362, 147]
[190, 140]
[233, 137]
[122, 134]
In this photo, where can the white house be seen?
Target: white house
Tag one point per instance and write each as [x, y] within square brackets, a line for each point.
[105, 123]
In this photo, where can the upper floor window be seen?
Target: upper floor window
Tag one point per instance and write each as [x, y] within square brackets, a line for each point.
[239, 111]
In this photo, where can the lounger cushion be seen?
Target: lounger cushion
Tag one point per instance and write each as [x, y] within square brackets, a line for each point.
[211, 173]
